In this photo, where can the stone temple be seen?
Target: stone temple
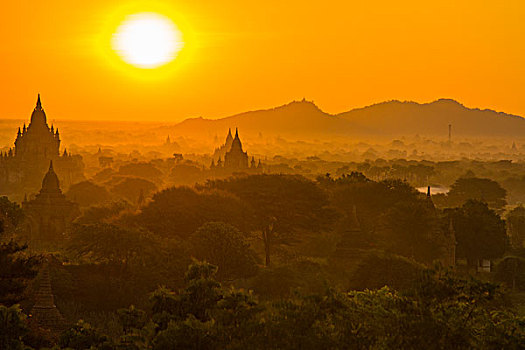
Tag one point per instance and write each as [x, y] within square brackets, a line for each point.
[235, 158]
[44, 311]
[23, 166]
[49, 213]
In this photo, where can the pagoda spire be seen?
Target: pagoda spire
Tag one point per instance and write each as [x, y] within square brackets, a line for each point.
[44, 311]
[38, 116]
[236, 133]
[430, 202]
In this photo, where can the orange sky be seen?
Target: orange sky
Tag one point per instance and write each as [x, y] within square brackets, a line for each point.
[245, 55]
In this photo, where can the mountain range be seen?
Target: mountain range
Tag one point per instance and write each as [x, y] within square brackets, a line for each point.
[302, 119]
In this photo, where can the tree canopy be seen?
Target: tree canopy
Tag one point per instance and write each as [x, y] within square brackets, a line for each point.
[480, 232]
[486, 190]
[180, 211]
[226, 247]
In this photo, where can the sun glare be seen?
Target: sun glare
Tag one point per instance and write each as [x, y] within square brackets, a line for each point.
[147, 40]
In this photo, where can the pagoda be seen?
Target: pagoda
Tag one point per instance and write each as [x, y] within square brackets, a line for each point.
[44, 312]
[22, 166]
[49, 213]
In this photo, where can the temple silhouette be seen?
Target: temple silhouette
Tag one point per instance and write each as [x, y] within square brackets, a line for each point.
[49, 213]
[44, 311]
[22, 166]
[235, 158]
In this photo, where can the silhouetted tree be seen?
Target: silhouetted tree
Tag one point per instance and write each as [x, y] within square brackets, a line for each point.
[84, 336]
[485, 190]
[16, 267]
[186, 174]
[197, 299]
[86, 193]
[11, 215]
[143, 170]
[225, 246]
[516, 226]
[130, 188]
[379, 270]
[480, 232]
[103, 214]
[12, 327]
[107, 243]
[282, 205]
[180, 211]
[131, 319]
[511, 271]
[439, 310]
[411, 229]
[371, 198]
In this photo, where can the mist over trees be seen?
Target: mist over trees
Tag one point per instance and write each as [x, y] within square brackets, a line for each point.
[299, 252]
[295, 252]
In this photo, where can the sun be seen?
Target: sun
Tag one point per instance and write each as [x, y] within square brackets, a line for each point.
[147, 40]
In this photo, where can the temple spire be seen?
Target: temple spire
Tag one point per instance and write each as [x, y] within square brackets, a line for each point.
[430, 202]
[38, 116]
[236, 133]
[44, 311]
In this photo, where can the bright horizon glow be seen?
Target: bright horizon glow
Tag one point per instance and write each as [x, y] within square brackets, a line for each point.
[147, 40]
[248, 55]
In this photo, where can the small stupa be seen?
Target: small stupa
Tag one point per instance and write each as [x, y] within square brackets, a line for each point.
[45, 312]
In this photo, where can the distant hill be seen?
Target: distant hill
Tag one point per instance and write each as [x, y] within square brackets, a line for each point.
[393, 118]
[303, 119]
[410, 118]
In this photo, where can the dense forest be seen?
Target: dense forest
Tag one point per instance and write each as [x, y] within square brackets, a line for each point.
[271, 261]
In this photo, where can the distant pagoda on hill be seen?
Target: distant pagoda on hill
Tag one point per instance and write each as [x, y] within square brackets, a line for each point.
[22, 167]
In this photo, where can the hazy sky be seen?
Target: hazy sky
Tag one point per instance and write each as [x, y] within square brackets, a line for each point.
[246, 55]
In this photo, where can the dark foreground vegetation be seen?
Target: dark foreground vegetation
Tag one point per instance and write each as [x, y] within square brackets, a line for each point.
[439, 311]
[275, 262]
